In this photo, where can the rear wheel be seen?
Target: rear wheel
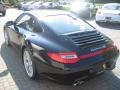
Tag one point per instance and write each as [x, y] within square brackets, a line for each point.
[98, 22]
[3, 13]
[29, 64]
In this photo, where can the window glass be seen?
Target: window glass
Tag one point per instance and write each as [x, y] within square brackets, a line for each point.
[33, 26]
[66, 23]
[118, 8]
[111, 7]
[28, 23]
[22, 19]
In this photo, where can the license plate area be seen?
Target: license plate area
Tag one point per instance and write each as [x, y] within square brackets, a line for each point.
[97, 68]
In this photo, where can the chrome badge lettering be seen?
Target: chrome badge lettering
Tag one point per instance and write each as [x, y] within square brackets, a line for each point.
[97, 48]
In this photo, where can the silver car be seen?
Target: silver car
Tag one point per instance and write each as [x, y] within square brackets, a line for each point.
[2, 9]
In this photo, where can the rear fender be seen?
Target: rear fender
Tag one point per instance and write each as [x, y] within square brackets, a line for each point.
[26, 44]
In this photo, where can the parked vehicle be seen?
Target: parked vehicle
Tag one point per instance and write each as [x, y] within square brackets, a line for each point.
[19, 5]
[35, 5]
[27, 4]
[109, 13]
[83, 9]
[51, 5]
[61, 45]
[2, 9]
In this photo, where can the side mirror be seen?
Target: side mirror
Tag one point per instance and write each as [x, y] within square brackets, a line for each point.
[9, 23]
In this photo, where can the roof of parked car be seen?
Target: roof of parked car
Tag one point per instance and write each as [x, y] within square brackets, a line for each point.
[45, 13]
[112, 4]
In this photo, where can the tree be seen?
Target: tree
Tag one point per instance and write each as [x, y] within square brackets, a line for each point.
[13, 2]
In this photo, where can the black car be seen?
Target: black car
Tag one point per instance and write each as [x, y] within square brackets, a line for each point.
[60, 45]
[2, 9]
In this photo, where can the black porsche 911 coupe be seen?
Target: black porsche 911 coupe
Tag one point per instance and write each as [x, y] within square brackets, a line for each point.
[61, 45]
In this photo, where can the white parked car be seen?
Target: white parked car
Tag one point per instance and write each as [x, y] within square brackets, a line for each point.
[109, 13]
[83, 9]
[35, 5]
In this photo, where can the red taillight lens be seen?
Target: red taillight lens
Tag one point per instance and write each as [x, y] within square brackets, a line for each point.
[71, 57]
[67, 57]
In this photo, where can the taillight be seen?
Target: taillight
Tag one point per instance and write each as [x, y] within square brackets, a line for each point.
[67, 57]
[71, 57]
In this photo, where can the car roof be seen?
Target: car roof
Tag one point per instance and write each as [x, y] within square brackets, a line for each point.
[112, 4]
[45, 13]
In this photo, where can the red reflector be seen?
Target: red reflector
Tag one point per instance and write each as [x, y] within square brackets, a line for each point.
[71, 57]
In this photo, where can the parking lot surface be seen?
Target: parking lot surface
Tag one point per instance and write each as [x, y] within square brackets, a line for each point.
[12, 75]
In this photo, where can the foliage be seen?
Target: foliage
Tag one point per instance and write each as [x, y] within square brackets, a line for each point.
[13, 2]
[107, 1]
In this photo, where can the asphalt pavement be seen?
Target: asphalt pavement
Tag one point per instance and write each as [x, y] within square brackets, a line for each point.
[12, 75]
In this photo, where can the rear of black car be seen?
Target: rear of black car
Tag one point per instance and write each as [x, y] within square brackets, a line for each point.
[76, 50]
[95, 55]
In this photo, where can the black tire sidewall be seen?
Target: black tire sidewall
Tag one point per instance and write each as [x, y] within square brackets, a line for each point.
[3, 13]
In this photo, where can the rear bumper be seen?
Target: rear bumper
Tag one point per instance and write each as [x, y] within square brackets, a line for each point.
[83, 73]
[83, 69]
[102, 18]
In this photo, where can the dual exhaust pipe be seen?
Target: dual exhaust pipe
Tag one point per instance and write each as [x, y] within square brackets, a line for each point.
[81, 81]
[77, 83]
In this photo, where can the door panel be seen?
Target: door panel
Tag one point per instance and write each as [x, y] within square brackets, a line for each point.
[14, 35]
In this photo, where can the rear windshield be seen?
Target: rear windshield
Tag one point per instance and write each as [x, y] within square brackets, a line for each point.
[111, 7]
[62, 24]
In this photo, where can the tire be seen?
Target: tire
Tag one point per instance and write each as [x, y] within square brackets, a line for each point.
[99, 23]
[90, 15]
[7, 39]
[3, 13]
[29, 64]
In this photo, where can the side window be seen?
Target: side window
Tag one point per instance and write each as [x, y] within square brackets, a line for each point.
[22, 21]
[36, 26]
[28, 23]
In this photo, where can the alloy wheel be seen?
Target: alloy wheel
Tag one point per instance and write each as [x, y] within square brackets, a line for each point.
[28, 63]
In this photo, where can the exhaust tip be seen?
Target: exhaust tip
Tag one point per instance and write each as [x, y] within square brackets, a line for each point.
[76, 83]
